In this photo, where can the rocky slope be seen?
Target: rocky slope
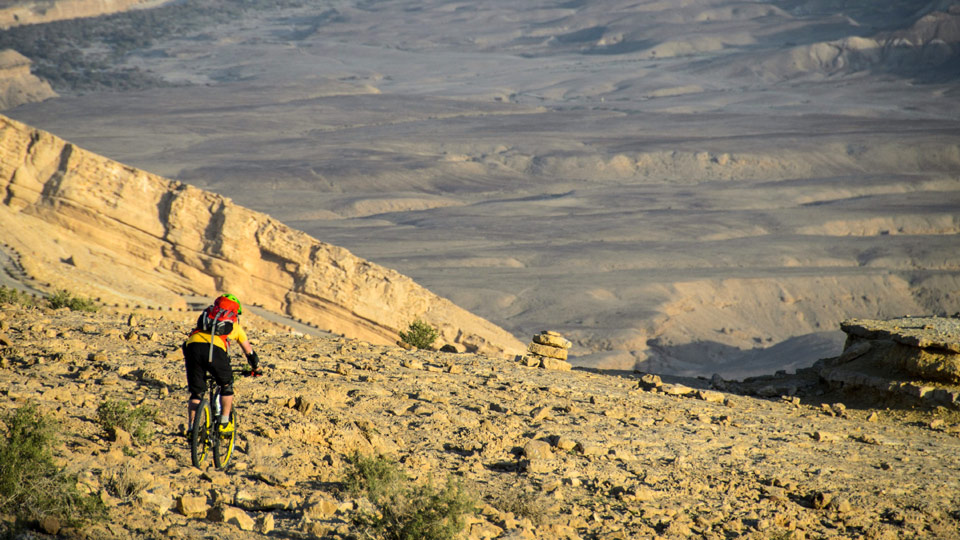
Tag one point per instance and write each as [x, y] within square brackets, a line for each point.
[16, 13]
[83, 222]
[593, 455]
[17, 84]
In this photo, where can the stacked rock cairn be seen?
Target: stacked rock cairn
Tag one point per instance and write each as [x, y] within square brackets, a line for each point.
[548, 350]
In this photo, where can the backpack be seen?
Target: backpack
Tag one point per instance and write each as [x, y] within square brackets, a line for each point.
[219, 318]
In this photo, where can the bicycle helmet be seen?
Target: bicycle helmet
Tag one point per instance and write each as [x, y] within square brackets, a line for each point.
[233, 298]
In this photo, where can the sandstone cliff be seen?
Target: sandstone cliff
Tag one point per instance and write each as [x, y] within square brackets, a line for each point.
[43, 11]
[83, 222]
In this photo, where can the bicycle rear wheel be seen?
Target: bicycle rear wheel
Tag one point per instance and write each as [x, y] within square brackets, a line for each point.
[200, 434]
[224, 443]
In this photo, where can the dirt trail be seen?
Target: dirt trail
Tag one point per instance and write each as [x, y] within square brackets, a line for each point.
[620, 461]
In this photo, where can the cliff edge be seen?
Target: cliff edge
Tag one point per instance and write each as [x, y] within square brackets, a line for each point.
[16, 13]
[80, 221]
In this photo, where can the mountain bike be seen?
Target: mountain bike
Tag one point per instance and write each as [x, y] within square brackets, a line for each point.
[205, 435]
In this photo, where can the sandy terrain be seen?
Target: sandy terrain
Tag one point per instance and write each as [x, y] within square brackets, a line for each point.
[701, 189]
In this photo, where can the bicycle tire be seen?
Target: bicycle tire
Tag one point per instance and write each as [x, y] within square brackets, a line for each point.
[223, 446]
[200, 434]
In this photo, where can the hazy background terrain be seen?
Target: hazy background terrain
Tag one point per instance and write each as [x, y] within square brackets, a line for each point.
[683, 187]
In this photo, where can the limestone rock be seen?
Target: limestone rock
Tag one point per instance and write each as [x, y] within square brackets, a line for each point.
[234, 516]
[711, 396]
[321, 508]
[192, 506]
[537, 449]
[916, 357]
[650, 381]
[265, 524]
[17, 84]
[677, 390]
[548, 351]
[57, 194]
[530, 360]
[553, 363]
[552, 339]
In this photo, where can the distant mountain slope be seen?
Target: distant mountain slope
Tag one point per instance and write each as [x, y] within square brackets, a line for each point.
[694, 188]
[16, 13]
[100, 228]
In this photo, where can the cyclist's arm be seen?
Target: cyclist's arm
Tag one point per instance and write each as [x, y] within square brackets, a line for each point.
[241, 338]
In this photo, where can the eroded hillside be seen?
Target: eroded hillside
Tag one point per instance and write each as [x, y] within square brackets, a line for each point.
[697, 187]
[89, 224]
[546, 454]
[23, 12]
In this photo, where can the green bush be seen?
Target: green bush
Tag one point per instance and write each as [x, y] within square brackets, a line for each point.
[138, 422]
[13, 296]
[63, 298]
[405, 510]
[373, 476]
[421, 335]
[32, 486]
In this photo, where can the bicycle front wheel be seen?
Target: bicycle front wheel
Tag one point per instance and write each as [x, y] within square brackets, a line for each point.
[200, 434]
[224, 443]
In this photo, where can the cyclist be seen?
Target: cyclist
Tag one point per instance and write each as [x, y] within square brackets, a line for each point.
[206, 350]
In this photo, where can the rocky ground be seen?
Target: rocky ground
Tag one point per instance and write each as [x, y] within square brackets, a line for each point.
[592, 455]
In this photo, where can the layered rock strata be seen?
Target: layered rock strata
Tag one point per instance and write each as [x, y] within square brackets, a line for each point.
[105, 230]
[548, 350]
[917, 357]
[17, 13]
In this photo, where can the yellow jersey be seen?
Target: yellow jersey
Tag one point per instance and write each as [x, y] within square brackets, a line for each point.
[237, 335]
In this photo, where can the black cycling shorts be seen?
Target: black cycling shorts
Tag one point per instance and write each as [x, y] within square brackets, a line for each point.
[197, 359]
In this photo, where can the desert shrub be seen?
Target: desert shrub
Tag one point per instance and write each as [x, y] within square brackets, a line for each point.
[64, 299]
[13, 296]
[372, 476]
[138, 422]
[32, 486]
[421, 335]
[524, 503]
[125, 483]
[405, 510]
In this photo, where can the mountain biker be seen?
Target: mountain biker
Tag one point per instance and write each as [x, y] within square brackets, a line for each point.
[200, 356]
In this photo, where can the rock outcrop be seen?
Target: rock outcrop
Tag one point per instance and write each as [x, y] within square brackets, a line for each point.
[17, 84]
[105, 230]
[913, 357]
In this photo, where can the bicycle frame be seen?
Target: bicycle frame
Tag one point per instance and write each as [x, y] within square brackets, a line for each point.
[205, 433]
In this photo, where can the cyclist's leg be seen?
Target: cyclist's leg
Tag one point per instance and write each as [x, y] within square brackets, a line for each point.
[195, 360]
[224, 377]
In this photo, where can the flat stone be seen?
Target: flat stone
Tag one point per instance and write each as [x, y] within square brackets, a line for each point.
[537, 449]
[548, 351]
[552, 340]
[192, 506]
[555, 364]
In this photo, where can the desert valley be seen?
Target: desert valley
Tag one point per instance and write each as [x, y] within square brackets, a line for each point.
[694, 189]
[744, 216]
